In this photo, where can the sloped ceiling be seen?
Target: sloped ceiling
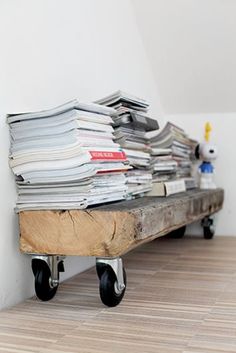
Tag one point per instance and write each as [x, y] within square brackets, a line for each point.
[191, 45]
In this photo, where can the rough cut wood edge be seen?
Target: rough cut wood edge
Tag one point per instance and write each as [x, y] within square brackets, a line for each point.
[114, 230]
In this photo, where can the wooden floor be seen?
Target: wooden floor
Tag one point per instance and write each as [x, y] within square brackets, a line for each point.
[181, 297]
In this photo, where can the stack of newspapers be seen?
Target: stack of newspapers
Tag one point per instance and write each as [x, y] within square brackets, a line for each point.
[172, 160]
[66, 157]
[131, 125]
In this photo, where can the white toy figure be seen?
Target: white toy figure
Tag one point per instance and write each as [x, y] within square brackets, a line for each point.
[207, 152]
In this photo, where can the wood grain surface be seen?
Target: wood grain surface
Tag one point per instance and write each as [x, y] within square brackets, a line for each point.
[181, 298]
[114, 229]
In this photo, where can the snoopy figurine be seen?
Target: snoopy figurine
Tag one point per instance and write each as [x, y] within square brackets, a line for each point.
[207, 152]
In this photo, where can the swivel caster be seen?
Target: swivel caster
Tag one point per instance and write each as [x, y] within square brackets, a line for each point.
[112, 278]
[208, 228]
[46, 273]
[178, 233]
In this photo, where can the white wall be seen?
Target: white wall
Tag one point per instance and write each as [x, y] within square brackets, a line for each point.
[192, 48]
[51, 52]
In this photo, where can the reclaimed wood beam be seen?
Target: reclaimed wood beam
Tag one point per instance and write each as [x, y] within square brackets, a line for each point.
[114, 229]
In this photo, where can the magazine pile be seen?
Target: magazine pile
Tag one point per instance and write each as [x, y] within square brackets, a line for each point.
[66, 157]
[172, 160]
[131, 125]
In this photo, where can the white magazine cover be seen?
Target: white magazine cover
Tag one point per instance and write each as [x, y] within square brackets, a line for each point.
[73, 104]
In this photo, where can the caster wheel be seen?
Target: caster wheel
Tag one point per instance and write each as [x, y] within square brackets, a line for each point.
[109, 293]
[43, 287]
[100, 268]
[208, 228]
[208, 232]
[178, 233]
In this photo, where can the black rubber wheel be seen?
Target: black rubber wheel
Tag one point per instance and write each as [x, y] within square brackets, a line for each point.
[42, 274]
[208, 232]
[108, 293]
[100, 267]
[178, 233]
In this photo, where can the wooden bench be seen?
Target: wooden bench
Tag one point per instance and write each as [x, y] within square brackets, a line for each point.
[107, 232]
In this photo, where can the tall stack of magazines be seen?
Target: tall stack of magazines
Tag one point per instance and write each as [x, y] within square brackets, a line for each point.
[131, 125]
[66, 157]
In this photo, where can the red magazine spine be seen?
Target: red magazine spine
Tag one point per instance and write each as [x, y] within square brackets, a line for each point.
[108, 156]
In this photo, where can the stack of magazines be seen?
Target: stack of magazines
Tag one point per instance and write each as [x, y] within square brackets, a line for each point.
[66, 157]
[172, 159]
[131, 125]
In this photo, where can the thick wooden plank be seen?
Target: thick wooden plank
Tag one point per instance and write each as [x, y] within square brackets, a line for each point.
[113, 230]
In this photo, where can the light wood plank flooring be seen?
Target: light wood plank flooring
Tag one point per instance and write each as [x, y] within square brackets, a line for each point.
[181, 298]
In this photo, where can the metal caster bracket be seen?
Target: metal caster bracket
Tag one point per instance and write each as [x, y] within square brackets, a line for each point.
[208, 227]
[55, 265]
[117, 266]
[208, 222]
